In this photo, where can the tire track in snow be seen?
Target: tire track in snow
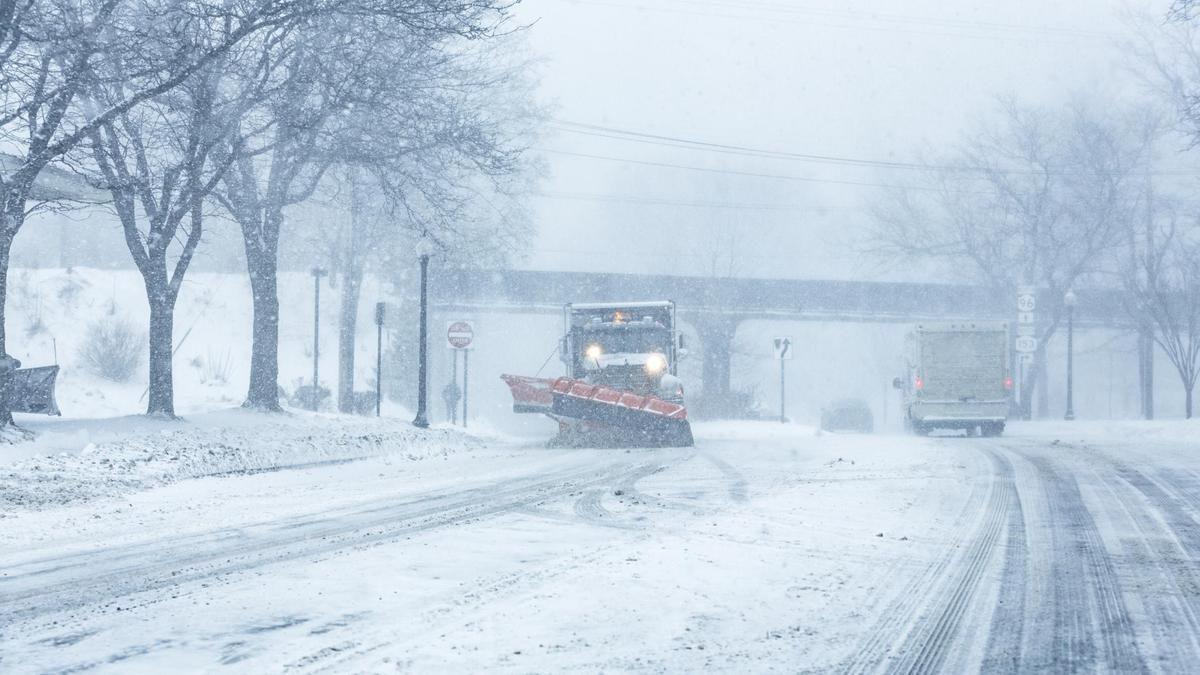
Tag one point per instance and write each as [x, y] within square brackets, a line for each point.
[590, 506]
[737, 482]
[1170, 600]
[41, 587]
[442, 618]
[930, 644]
[1007, 629]
[897, 619]
[1085, 589]
[1186, 487]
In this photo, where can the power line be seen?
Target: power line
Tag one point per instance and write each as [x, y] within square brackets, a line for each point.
[903, 18]
[659, 201]
[971, 33]
[657, 255]
[835, 160]
[735, 172]
[678, 142]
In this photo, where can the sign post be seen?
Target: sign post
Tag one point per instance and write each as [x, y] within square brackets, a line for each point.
[1026, 342]
[783, 353]
[460, 335]
[466, 381]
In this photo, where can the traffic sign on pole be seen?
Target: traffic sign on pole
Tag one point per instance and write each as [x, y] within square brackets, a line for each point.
[460, 334]
[1027, 344]
[783, 353]
[783, 348]
[1026, 298]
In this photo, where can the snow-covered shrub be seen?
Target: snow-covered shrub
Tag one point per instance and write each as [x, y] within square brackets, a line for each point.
[112, 348]
[215, 368]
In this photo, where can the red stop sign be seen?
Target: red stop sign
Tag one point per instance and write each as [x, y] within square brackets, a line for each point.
[459, 334]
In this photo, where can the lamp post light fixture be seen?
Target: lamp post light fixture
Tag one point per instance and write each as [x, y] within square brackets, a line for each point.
[317, 274]
[424, 249]
[1069, 301]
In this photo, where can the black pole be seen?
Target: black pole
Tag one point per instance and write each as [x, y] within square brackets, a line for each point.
[379, 311]
[466, 383]
[782, 394]
[423, 374]
[317, 274]
[454, 379]
[1070, 363]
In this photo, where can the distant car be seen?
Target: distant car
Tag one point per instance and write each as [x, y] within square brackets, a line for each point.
[849, 414]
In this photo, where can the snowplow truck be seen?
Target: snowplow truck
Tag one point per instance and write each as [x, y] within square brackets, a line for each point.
[957, 377]
[621, 387]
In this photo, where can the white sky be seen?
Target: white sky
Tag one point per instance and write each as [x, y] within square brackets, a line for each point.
[869, 79]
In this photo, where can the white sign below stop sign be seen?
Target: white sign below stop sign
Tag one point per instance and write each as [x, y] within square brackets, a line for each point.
[460, 334]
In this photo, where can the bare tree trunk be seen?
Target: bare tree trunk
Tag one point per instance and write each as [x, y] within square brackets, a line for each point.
[262, 264]
[6, 239]
[1043, 393]
[7, 231]
[352, 274]
[716, 339]
[162, 328]
[347, 331]
[1146, 370]
[1187, 403]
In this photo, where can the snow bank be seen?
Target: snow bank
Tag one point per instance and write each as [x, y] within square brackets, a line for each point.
[128, 454]
[1168, 431]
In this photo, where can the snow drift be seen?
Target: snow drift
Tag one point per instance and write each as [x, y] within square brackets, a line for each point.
[207, 445]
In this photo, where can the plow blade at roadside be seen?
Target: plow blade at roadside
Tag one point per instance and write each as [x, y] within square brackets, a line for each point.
[590, 414]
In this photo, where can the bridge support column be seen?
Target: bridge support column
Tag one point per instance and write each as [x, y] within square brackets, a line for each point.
[1145, 349]
[716, 338]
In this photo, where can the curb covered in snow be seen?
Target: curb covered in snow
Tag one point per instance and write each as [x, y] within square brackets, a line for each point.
[210, 445]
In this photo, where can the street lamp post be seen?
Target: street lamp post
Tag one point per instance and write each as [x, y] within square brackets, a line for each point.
[317, 273]
[380, 310]
[1069, 300]
[421, 420]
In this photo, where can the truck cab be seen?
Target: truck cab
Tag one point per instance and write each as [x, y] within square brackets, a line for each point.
[631, 346]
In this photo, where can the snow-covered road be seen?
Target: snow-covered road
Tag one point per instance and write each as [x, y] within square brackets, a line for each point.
[763, 548]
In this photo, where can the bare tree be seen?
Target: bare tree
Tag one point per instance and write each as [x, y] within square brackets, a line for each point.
[158, 162]
[1163, 282]
[343, 71]
[52, 50]
[455, 137]
[1035, 197]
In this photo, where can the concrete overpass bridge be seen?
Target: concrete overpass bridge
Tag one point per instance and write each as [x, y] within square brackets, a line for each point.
[716, 307]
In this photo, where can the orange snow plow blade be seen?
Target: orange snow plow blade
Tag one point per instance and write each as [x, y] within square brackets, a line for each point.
[530, 394]
[589, 413]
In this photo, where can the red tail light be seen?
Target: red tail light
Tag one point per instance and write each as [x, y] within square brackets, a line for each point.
[1008, 383]
[918, 383]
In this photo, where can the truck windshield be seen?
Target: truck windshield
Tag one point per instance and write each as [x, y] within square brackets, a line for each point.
[626, 339]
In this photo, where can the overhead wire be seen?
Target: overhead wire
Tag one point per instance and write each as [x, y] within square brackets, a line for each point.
[892, 17]
[680, 142]
[688, 143]
[970, 32]
[732, 172]
[660, 201]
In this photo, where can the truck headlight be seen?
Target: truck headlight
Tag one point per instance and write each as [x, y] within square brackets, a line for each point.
[655, 364]
[593, 352]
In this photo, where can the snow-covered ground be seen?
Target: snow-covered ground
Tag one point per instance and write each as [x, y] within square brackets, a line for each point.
[78, 460]
[765, 548]
[51, 312]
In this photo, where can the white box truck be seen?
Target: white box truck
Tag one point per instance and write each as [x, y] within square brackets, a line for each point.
[958, 377]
